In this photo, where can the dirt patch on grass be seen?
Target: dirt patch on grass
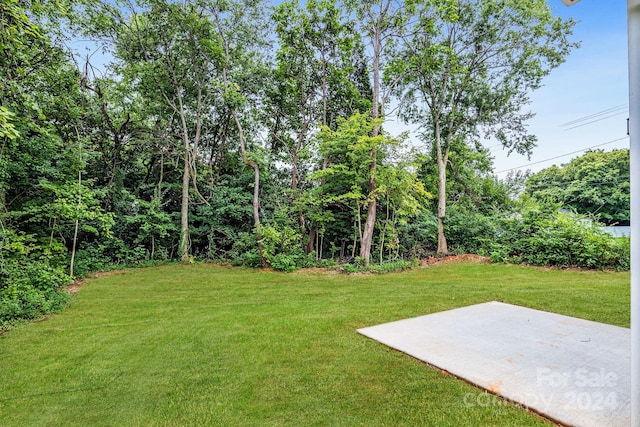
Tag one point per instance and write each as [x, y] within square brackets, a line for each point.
[74, 287]
[423, 262]
[324, 270]
[454, 258]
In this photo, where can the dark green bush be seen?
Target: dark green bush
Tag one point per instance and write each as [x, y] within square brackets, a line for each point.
[558, 239]
[32, 278]
[539, 236]
[470, 232]
[419, 237]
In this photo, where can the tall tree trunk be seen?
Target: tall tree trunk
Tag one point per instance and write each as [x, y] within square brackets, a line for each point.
[184, 208]
[256, 211]
[384, 230]
[442, 193]
[313, 231]
[186, 178]
[77, 223]
[369, 226]
[256, 188]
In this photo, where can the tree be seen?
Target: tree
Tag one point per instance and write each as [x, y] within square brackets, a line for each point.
[596, 183]
[467, 69]
[319, 77]
[170, 54]
[381, 23]
[345, 181]
[470, 183]
[403, 198]
[239, 26]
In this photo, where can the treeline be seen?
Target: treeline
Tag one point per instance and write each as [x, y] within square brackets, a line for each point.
[257, 134]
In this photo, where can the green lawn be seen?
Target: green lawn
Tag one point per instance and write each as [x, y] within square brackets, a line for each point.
[206, 345]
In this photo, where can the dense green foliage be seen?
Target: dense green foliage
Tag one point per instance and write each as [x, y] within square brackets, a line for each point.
[596, 183]
[558, 239]
[204, 345]
[242, 132]
[31, 279]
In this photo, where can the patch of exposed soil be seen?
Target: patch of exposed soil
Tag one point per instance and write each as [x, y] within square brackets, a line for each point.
[454, 258]
[74, 287]
[77, 284]
[423, 262]
[316, 270]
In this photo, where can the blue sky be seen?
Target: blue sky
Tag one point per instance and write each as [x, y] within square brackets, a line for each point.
[593, 79]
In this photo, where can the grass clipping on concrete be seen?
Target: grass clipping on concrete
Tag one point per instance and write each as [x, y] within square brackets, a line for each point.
[209, 345]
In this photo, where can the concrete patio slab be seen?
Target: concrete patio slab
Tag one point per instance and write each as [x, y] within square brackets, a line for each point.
[573, 371]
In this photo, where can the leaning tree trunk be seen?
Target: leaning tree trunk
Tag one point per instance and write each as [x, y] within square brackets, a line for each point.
[256, 188]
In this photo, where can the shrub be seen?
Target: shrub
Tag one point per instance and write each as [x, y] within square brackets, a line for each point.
[470, 232]
[31, 279]
[385, 267]
[282, 248]
[558, 239]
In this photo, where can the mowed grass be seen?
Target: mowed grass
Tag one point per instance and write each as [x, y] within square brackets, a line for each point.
[209, 345]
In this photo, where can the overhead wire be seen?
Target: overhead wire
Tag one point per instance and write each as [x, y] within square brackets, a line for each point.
[618, 109]
[562, 155]
[579, 122]
[596, 120]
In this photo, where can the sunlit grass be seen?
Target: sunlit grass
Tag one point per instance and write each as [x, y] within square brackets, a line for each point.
[207, 345]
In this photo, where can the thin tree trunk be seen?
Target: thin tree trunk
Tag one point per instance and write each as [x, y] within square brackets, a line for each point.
[360, 224]
[369, 226]
[355, 241]
[243, 153]
[77, 224]
[256, 211]
[386, 223]
[73, 249]
[256, 188]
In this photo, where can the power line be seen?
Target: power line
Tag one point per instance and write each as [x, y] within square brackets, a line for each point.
[549, 183]
[596, 120]
[616, 109]
[563, 155]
